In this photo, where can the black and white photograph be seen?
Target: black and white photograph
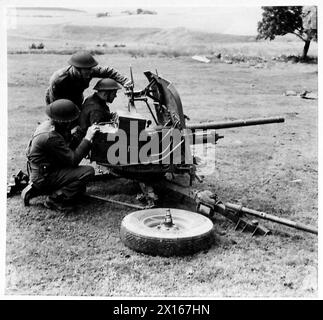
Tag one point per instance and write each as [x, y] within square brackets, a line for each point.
[160, 149]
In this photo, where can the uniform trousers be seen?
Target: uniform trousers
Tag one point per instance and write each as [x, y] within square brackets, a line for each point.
[65, 182]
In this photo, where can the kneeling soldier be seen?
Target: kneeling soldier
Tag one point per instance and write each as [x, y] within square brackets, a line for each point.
[53, 166]
[95, 108]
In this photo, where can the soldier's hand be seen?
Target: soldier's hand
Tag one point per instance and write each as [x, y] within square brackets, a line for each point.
[128, 84]
[76, 130]
[113, 116]
[91, 131]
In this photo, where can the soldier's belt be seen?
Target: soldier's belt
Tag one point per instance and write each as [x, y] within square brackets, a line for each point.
[42, 168]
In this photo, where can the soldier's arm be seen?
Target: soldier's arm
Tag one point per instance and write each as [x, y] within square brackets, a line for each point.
[97, 116]
[56, 90]
[83, 122]
[64, 156]
[77, 135]
[108, 72]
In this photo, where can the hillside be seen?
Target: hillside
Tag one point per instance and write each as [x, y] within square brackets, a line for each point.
[171, 32]
[66, 38]
[241, 21]
[48, 9]
[111, 34]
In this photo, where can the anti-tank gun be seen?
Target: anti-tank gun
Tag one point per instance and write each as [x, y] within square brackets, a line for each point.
[167, 131]
[156, 151]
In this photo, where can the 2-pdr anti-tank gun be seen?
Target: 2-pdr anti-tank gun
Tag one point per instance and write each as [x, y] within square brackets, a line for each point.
[157, 152]
[167, 131]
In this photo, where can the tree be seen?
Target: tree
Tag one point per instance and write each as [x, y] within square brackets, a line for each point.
[279, 21]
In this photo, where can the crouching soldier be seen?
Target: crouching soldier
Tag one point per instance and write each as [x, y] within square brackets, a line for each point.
[71, 81]
[95, 108]
[52, 166]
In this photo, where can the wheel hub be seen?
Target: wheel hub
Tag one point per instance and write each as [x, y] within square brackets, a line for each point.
[167, 224]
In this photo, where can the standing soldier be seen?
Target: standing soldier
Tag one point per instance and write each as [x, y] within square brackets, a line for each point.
[95, 108]
[71, 81]
[53, 167]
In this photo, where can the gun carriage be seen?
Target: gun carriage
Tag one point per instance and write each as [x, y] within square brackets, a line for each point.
[157, 153]
[169, 231]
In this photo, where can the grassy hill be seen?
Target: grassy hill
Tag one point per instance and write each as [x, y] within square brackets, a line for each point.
[48, 9]
[66, 38]
[101, 33]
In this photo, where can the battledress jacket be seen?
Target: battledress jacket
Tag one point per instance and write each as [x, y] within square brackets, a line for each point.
[94, 110]
[49, 148]
[66, 84]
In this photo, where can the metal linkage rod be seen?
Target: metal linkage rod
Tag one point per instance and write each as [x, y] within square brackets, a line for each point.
[270, 217]
[116, 202]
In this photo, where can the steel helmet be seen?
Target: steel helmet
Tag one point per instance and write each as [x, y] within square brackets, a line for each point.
[62, 110]
[107, 84]
[82, 59]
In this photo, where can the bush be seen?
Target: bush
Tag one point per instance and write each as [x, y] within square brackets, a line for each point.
[102, 14]
[34, 46]
[127, 12]
[141, 11]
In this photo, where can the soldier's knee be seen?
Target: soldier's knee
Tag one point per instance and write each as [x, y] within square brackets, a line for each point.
[87, 172]
[91, 171]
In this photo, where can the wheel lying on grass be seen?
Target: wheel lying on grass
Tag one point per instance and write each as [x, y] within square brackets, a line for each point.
[166, 232]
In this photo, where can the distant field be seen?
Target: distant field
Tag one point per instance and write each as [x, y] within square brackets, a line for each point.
[229, 20]
[149, 41]
[171, 32]
[21, 9]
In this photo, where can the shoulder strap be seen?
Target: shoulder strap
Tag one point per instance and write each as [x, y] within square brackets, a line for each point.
[41, 129]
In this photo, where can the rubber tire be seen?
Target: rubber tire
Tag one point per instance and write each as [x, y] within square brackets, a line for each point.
[139, 237]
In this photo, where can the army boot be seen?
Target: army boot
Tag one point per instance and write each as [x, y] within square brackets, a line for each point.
[28, 193]
[58, 203]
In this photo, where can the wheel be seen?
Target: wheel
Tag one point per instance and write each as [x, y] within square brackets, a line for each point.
[167, 232]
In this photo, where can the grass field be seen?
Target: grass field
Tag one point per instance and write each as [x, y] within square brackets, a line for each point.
[172, 42]
[270, 168]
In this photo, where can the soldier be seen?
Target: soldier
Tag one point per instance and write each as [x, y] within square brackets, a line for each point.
[53, 167]
[70, 82]
[95, 108]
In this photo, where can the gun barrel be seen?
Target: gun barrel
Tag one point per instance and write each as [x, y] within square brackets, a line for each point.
[203, 137]
[267, 216]
[234, 124]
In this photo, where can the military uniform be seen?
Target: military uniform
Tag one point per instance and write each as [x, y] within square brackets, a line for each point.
[67, 84]
[94, 110]
[53, 166]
